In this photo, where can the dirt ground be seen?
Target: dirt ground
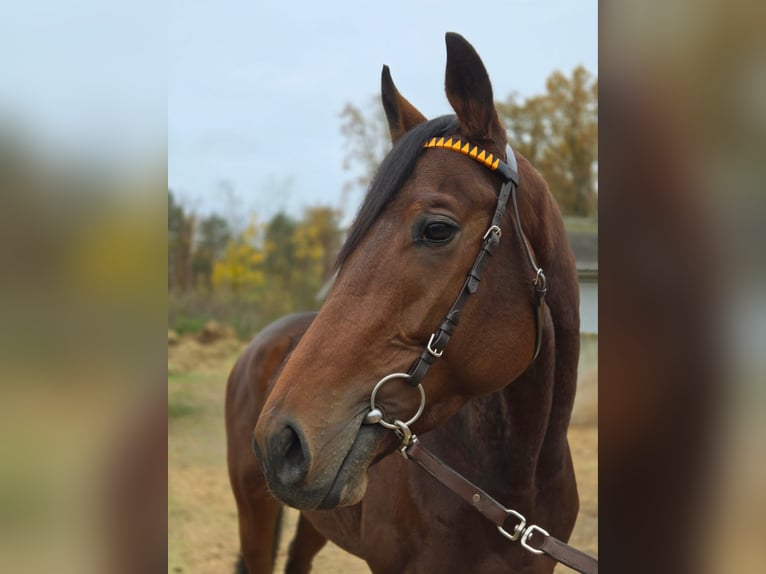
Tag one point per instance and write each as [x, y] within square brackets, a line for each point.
[202, 519]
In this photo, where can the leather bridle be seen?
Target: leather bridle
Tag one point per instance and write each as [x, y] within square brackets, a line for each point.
[411, 448]
[509, 172]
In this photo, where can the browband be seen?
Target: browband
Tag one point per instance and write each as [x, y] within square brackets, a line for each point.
[509, 170]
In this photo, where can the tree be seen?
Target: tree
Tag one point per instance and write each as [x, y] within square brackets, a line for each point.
[213, 237]
[317, 239]
[180, 234]
[298, 256]
[240, 270]
[279, 265]
[558, 133]
[366, 143]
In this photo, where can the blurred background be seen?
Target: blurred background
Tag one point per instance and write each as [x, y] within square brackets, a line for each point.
[253, 130]
[275, 130]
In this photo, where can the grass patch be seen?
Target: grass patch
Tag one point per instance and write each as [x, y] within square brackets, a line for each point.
[183, 325]
[189, 377]
[182, 401]
[180, 409]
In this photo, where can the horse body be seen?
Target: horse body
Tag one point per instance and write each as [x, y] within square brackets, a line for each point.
[304, 384]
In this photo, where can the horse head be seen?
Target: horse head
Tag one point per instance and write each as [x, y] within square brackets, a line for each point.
[406, 257]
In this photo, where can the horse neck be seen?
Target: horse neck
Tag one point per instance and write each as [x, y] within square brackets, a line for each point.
[496, 440]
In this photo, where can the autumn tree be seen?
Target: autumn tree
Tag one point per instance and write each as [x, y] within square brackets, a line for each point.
[213, 235]
[298, 256]
[278, 294]
[316, 241]
[558, 133]
[280, 266]
[239, 272]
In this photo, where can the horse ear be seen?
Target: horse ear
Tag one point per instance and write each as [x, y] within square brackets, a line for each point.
[469, 91]
[402, 116]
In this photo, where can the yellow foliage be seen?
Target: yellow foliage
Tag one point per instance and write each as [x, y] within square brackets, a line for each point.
[240, 270]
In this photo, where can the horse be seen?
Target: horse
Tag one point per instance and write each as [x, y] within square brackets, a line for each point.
[495, 405]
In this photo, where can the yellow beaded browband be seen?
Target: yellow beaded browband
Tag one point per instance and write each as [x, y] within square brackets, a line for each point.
[507, 170]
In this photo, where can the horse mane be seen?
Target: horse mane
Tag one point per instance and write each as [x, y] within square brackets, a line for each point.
[393, 171]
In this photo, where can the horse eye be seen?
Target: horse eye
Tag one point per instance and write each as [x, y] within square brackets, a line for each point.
[439, 232]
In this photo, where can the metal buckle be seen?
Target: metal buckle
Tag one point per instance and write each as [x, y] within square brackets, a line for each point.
[406, 446]
[431, 350]
[494, 229]
[405, 435]
[527, 533]
[518, 529]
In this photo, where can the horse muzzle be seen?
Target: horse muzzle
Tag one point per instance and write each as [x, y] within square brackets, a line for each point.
[306, 475]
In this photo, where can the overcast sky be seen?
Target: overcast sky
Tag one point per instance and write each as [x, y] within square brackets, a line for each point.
[255, 88]
[249, 92]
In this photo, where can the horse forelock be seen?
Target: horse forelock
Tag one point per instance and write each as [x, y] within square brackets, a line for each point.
[391, 175]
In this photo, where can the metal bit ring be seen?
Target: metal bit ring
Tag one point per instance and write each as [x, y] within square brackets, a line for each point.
[391, 377]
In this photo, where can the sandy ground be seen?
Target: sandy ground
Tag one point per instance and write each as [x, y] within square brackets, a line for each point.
[202, 520]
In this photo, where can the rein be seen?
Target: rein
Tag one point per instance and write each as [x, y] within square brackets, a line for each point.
[411, 447]
[496, 512]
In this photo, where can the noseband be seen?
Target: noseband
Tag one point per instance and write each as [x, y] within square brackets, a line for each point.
[434, 349]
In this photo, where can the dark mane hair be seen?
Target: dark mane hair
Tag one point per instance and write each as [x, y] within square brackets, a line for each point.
[391, 175]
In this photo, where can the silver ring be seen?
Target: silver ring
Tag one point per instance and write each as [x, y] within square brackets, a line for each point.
[390, 377]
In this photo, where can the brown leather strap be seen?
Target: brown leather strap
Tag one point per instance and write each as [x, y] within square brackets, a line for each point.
[496, 512]
[465, 489]
[568, 555]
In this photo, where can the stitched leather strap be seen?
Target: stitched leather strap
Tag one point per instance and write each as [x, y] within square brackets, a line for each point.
[465, 489]
[568, 555]
[496, 512]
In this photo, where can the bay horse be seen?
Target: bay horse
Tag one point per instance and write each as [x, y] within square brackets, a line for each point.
[498, 400]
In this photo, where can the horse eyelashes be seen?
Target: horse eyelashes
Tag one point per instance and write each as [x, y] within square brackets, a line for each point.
[439, 232]
[434, 231]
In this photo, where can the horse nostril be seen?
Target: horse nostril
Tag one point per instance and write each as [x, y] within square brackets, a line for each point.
[288, 454]
[294, 453]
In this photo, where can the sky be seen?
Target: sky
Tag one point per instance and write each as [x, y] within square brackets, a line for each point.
[84, 81]
[246, 95]
[255, 89]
